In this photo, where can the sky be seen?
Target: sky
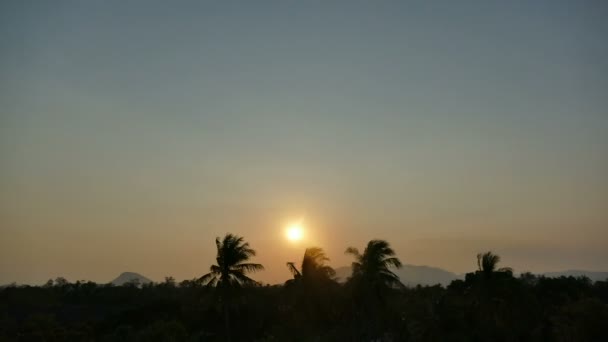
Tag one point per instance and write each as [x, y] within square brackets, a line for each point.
[132, 133]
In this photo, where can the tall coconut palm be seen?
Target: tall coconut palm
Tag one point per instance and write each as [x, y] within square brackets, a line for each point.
[312, 290]
[373, 265]
[313, 267]
[487, 263]
[371, 279]
[232, 256]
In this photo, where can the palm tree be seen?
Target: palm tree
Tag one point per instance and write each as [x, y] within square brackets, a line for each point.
[294, 270]
[232, 256]
[486, 263]
[373, 265]
[312, 290]
[371, 279]
[313, 267]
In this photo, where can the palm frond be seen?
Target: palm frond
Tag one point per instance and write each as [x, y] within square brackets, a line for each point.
[486, 262]
[394, 262]
[353, 251]
[373, 265]
[232, 254]
[294, 271]
[213, 282]
[248, 267]
[505, 270]
[328, 271]
[242, 279]
[205, 279]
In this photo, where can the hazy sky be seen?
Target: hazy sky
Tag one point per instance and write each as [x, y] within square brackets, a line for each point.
[132, 133]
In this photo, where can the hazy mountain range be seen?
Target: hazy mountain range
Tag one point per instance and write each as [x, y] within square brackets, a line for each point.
[594, 276]
[130, 277]
[412, 275]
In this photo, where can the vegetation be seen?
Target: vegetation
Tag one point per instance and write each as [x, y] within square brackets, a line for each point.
[487, 263]
[314, 271]
[229, 273]
[490, 304]
[373, 266]
[232, 254]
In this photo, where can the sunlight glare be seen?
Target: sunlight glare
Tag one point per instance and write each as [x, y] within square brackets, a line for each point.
[295, 232]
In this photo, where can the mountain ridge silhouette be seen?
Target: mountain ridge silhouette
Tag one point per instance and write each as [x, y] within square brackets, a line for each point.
[128, 277]
[413, 275]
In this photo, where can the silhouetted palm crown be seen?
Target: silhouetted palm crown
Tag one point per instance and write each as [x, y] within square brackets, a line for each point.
[487, 263]
[313, 267]
[232, 254]
[373, 265]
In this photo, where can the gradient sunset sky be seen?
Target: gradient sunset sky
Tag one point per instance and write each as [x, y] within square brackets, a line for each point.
[132, 133]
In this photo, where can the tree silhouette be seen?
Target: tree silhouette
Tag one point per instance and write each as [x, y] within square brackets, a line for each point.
[232, 254]
[371, 282]
[478, 308]
[313, 269]
[229, 273]
[373, 265]
[312, 291]
[487, 263]
[294, 270]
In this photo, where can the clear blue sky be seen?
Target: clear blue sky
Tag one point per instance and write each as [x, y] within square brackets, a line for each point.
[132, 133]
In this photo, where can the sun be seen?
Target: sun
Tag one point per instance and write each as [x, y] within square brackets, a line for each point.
[295, 232]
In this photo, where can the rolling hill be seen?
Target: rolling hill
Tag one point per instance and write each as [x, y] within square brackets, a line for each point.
[412, 275]
[127, 277]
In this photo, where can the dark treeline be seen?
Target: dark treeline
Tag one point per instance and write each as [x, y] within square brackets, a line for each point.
[490, 304]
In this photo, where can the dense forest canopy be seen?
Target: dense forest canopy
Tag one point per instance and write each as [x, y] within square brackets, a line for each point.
[490, 304]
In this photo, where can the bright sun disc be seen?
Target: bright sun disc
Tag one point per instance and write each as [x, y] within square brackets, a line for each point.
[294, 232]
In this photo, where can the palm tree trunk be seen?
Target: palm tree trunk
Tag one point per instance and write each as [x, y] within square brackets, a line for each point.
[227, 322]
[224, 297]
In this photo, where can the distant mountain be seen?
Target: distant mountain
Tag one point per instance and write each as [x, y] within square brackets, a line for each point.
[127, 277]
[412, 275]
[594, 276]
